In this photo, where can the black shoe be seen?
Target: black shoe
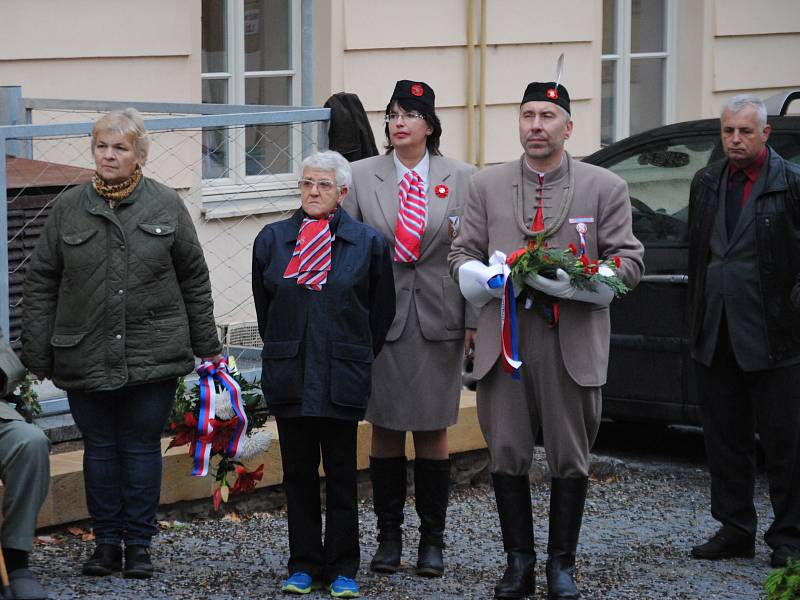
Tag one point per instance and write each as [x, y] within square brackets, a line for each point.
[137, 563]
[723, 545]
[782, 554]
[567, 499]
[387, 556]
[513, 496]
[432, 491]
[388, 477]
[105, 560]
[519, 579]
[430, 562]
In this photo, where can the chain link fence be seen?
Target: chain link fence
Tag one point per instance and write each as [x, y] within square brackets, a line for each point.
[235, 172]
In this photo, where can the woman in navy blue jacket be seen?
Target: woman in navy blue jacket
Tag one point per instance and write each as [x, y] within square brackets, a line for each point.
[324, 295]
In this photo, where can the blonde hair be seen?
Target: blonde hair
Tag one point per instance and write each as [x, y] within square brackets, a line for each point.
[127, 122]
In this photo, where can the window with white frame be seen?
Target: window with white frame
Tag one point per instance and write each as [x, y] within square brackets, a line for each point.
[250, 55]
[636, 67]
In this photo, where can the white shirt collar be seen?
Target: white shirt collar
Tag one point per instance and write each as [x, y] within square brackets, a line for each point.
[421, 169]
[543, 173]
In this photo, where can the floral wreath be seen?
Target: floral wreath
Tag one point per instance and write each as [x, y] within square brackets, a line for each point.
[186, 424]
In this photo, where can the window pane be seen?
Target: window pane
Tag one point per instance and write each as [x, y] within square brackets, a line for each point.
[215, 140]
[608, 103]
[267, 35]
[659, 175]
[610, 26]
[215, 43]
[648, 22]
[647, 94]
[269, 147]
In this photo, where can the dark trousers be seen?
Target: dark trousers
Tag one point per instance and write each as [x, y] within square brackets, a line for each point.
[301, 440]
[122, 457]
[735, 405]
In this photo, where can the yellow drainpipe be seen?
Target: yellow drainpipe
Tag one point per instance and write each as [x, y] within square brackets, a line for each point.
[470, 82]
[482, 90]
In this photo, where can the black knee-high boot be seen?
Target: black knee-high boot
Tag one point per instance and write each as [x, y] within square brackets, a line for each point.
[513, 495]
[567, 499]
[388, 477]
[431, 491]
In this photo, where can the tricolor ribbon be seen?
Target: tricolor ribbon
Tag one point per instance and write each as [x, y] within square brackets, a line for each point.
[508, 330]
[211, 375]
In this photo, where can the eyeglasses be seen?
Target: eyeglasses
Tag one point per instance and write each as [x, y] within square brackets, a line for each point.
[323, 185]
[409, 116]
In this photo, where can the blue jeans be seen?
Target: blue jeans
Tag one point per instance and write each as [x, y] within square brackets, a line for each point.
[122, 457]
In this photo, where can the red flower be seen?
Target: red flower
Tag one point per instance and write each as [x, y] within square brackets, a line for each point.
[441, 190]
[185, 433]
[573, 248]
[532, 244]
[221, 435]
[217, 497]
[593, 266]
[617, 261]
[246, 480]
[516, 255]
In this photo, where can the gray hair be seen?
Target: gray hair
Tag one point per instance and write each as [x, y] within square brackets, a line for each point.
[128, 123]
[330, 160]
[742, 101]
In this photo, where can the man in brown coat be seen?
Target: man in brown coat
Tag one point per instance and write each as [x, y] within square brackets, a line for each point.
[565, 357]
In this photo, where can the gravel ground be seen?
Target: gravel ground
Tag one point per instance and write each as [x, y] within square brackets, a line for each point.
[641, 518]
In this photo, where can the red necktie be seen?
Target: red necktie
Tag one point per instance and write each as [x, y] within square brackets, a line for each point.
[538, 220]
[411, 219]
[311, 259]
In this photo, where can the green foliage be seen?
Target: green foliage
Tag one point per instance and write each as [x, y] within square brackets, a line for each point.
[784, 584]
[537, 258]
[28, 404]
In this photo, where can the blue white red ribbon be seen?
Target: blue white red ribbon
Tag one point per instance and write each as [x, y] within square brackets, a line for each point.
[211, 375]
[508, 331]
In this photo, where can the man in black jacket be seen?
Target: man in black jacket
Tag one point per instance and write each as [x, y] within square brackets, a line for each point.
[744, 262]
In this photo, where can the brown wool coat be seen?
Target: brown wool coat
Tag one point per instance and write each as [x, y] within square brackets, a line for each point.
[489, 223]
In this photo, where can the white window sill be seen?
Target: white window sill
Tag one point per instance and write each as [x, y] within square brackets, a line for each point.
[239, 201]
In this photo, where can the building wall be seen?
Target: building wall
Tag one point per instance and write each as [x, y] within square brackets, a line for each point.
[150, 50]
[85, 49]
[752, 48]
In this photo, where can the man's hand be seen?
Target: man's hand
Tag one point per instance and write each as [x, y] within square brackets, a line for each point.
[469, 342]
[558, 288]
[561, 287]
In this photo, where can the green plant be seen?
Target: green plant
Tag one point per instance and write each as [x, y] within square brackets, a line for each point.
[784, 584]
[28, 404]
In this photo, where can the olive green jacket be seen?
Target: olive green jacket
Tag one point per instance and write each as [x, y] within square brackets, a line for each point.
[117, 297]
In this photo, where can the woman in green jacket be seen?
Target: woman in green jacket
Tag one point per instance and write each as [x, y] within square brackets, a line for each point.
[117, 302]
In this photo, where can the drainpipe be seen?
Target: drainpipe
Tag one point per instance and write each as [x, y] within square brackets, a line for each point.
[307, 63]
[470, 82]
[482, 90]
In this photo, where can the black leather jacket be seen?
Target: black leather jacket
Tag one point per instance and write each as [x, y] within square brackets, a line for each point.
[778, 248]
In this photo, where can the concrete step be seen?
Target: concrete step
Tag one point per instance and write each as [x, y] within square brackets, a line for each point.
[66, 501]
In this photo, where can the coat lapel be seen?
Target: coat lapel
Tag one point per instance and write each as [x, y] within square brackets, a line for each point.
[437, 207]
[386, 193]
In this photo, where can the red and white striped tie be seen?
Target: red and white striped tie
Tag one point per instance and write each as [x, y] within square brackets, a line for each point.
[311, 259]
[411, 219]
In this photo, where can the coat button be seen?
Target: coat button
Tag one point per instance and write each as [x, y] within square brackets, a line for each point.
[158, 229]
[118, 336]
[120, 292]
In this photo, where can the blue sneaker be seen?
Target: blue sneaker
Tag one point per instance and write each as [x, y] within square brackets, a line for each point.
[300, 583]
[344, 588]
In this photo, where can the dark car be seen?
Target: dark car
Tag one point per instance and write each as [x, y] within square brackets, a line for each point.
[650, 375]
